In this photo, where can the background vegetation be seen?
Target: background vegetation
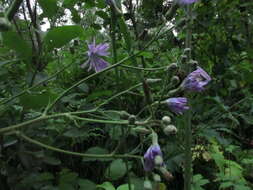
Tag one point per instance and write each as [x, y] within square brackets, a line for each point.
[64, 128]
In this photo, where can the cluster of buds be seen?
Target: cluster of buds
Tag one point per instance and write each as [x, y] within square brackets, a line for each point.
[168, 128]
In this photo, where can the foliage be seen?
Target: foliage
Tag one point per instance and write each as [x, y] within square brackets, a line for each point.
[64, 128]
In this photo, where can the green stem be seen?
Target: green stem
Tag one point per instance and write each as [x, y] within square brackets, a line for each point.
[187, 119]
[144, 69]
[113, 37]
[70, 115]
[28, 139]
[119, 122]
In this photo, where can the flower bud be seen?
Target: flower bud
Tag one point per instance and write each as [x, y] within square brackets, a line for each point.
[170, 130]
[158, 160]
[183, 57]
[166, 120]
[187, 50]
[166, 174]
[157, 178]
[141, 130]
[131, 119]
[172, 66]
[175, 80]
[124, 115]
[147, 185]
[194, 63]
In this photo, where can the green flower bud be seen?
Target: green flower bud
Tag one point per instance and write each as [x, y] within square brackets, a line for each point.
[147, 185]
[131, 119]
[172, 66]
[166, 120]
[157, 178]
[141, 130]
[166, 174]
[124, 115]
[170, 130]
[158, 160]
[175, 80]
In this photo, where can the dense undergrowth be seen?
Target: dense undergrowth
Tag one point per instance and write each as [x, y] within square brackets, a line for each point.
[67, 127]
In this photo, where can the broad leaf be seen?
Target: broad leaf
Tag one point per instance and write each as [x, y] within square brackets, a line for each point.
[116, 170]
[13, 41]
[60, 36]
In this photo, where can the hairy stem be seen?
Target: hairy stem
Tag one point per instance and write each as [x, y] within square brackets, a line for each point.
[30, 140]
[188, 130]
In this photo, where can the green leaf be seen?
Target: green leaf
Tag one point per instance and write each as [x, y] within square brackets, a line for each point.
[101, 4]
[96, 150]
[52, 161]
[66, 186]
[13, 41]
[106, 186]
[49, 7]
[116, 170]
[37, 99]
[67, 177]
[74, 133]
[86, 184]
[125, 187]
[60, 36]
[69, 3]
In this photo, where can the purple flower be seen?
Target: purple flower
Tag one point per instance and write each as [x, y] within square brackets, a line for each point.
[196, 80]
[94, 57]
[177, 105]
[153, 157]
[187, 1]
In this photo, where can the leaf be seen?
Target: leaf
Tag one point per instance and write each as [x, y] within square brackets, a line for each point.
[37, 99]
[13, 41]
[61, 35]
[125, 187]
[66, 186]
[116, 170]
[86, 184]
[74, 133]
[147, 54]
[49, 7]
[67, 177]
[97, 94]
[52, 161]
[106, 186]
[96, 150]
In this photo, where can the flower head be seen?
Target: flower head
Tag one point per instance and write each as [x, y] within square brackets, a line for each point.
[187, 1]
[94, 57]
[153, 157]
[196, 80]
[177, 105]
